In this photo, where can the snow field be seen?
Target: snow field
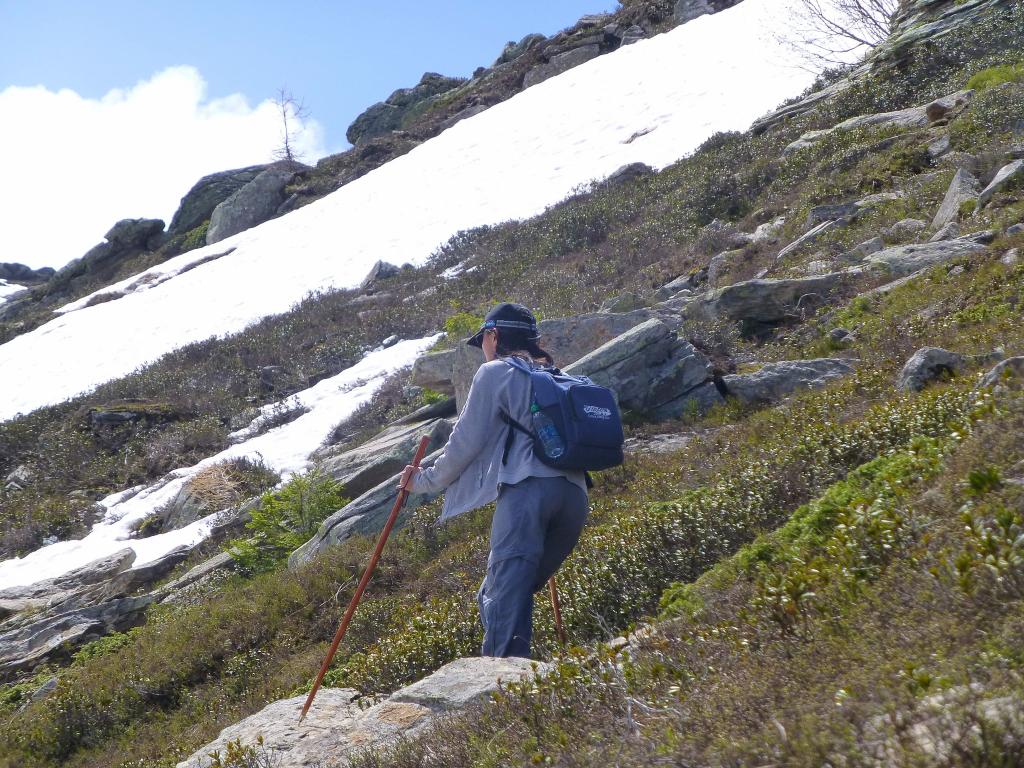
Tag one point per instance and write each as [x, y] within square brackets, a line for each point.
[285, 449]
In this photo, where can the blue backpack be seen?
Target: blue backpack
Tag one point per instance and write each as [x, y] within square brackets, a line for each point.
[584, 414]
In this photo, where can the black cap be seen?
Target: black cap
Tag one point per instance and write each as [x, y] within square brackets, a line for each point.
[515, 317]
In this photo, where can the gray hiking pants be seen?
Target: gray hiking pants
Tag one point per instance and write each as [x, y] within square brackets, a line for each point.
[536, 524]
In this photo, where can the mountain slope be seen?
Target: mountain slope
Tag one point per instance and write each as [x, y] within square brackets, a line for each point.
[652, 102]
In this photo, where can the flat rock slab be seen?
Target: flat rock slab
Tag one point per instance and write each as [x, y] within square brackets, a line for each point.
[775, 381]
[907, 259]
[337, 726]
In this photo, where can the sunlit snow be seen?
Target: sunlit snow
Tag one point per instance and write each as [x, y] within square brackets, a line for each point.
[653, 102]
[285, 449]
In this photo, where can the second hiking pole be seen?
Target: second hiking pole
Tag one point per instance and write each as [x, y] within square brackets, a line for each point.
[403, 494]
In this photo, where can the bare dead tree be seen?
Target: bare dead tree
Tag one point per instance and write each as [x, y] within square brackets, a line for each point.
[826, 32]
[292, 112]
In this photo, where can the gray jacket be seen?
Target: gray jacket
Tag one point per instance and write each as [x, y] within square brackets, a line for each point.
[470, 467]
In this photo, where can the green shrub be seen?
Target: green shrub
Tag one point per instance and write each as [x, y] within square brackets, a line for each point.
[196, 238]
[285, 519]
[992, 76]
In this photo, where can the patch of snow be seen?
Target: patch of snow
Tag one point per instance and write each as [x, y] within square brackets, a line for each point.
[651, 102]
[9, 289]
[285, 449]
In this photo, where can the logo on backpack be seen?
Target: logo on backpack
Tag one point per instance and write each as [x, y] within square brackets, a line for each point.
[597, 412]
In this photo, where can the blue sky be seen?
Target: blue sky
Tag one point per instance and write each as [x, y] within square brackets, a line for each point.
[339, 57]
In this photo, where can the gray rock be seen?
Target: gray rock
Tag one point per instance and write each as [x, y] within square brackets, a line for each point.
[905, 229]
[26, 641]
[859, 252]
[1011, 258]
[774, 381]
[19, 478]
[658, 443]
[627, 301]
[1015, 229]
[769, 231]
[633, 34]
[650, 370]
[877, 199]
[254, 203]
[962, 188]
[461, 115]
[1009, 174]
[219, 563]
[627, 173]
[129, 234]
[902, 260]
[337, 726]
[206, 194]
[949, 231]
[810, 236]
[674, 286]
[390, 114]
[560, 63]
[21, 274]
[938, 148]
[831, 212]
[442, 409]
[566, 338]
[929, 364]
[381, 270]
[127, 582]
[763, 302]
[465, 681]
[719, 266]
[95, 572]
[914, 117]
[434, 371]
[513, 51]
[1010, 370]
[379, 459]
[688, 10]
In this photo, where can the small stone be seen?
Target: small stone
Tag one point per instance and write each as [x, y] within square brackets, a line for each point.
[390, 341]
[950, 231]
[906, 229]
[926, 365]
[1016, 229]
[957, 270]
[1011, 258]
[1005, 176]
[837, 334]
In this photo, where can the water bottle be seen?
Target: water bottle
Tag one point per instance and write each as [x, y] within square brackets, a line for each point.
[547, 432]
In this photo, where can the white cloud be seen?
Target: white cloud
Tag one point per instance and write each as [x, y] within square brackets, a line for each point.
[73, 166]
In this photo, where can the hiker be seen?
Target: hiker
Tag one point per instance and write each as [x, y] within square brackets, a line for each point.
[540, 510]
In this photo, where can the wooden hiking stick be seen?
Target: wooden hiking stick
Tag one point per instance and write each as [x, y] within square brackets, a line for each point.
[559, 629]
[403, 494]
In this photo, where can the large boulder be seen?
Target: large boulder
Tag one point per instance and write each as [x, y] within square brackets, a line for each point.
[1009, 370]
[391, 114]
[27, 640]
[561, 62]
[929, 364]
[962, 188]
[914, 117]
[129, 234]
[24, 275]
[206, 194]
[340, 725]
[651, 371]
[373, 462]
[252, 204]
[902, 260]
[1009, 174]
[566, 338]
[774, 381]
[765, 303]
[434, 371]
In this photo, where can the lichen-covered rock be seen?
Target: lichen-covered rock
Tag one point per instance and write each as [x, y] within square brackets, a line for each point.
[338, 725]
[254, 203]
[390, 114]
[206, 194]
[434, 371]
[774, 381]
[1011, 173]
[1010, 370]
[903, 260]
[962, 188]
[929, 364]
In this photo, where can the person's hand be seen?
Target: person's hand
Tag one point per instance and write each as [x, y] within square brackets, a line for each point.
[407, 475]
